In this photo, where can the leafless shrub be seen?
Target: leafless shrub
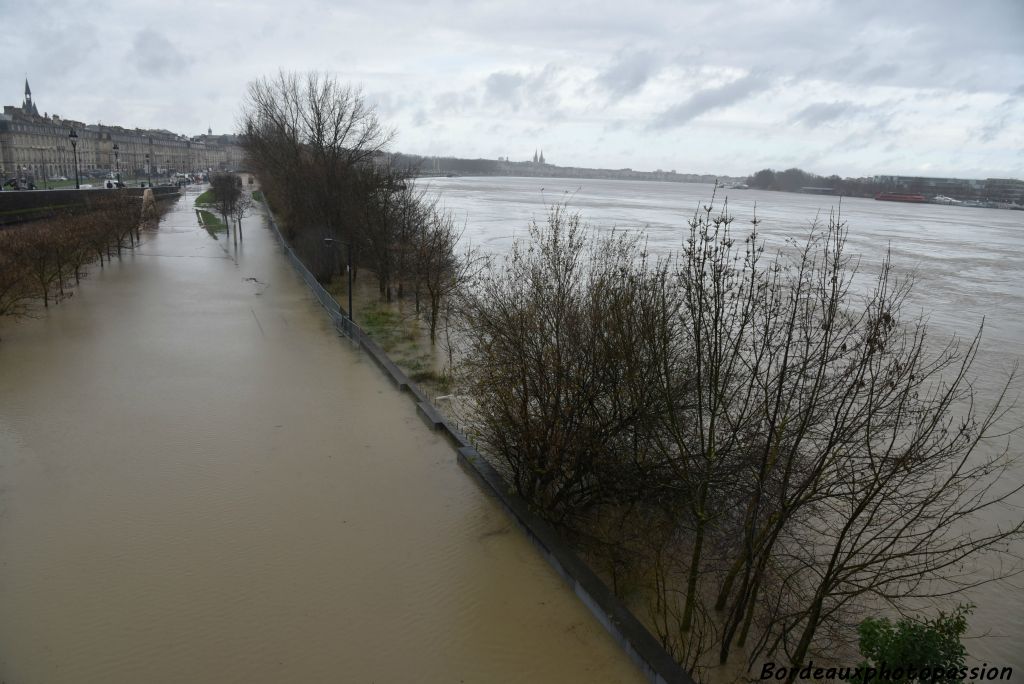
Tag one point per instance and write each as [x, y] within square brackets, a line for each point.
[561, 379]
[39, 260]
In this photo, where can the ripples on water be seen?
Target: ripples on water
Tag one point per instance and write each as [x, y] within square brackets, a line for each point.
[968, 261]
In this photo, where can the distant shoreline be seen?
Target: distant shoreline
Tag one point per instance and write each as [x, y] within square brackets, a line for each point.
[994, 193]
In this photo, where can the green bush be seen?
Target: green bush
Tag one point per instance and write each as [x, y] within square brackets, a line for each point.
[913, 645]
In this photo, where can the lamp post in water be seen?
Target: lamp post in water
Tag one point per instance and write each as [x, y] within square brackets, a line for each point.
[73, 137]
[117, 164]
[331, 242]
[149, 173]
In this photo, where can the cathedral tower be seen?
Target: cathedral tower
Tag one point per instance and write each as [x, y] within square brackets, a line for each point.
[28, 106]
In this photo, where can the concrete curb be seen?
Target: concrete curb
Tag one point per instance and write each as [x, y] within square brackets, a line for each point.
[641, 646]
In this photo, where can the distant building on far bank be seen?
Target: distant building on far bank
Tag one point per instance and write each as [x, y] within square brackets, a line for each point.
[36, 146]
[1009, 190]
[1001, 190]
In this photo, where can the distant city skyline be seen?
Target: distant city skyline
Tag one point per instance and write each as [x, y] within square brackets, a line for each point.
[855, 89]
[37, 146]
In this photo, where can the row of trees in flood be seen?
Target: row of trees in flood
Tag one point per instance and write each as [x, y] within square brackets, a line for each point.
[230, 200]
[751, 443]
[43, 260]
[319, 151]
[748, 442]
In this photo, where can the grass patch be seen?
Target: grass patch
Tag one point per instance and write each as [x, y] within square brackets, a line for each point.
[211, 222]
[385, 325]
[439, 382]
[397, 329]
[256, 195]
[206, 198]
[404, 337]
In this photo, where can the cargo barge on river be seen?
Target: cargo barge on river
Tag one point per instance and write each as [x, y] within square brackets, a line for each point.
[900, 197]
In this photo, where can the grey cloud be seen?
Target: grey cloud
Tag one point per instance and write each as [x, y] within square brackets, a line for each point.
[505, 87]
[388, 104]
[819, 113]
[516, 89]
[50, 46]
[629, 73]
[882, 72]
[853, 142]
[153, 54]
[1000, 118]
[855, 66]
[992, 129]
[942, 44]
[935, 48]
[705, 100]
[451, 101]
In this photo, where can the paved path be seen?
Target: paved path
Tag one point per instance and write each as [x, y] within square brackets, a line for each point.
[199, 482]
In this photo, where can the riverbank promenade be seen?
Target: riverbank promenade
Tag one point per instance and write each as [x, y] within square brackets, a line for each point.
[201, 482]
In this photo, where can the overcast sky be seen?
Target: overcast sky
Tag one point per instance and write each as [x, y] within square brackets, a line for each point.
[854, 87]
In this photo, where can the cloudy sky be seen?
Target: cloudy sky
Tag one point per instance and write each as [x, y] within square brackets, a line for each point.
[850, 87]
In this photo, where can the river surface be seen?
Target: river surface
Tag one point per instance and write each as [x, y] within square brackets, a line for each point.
[200, 482]
[969, 263]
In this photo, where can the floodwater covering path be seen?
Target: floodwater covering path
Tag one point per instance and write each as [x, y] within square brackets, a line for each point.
[199, 482]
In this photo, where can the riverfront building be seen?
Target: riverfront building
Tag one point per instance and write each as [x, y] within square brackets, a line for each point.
[36, 146]
[998, 190]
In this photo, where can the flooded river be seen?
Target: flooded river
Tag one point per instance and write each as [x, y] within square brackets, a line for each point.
[199, 482]
[969, 264]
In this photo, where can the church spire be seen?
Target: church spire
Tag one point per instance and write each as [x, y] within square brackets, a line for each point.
[28, 106]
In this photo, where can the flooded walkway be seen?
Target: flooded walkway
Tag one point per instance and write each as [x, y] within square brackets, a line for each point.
[200, 483]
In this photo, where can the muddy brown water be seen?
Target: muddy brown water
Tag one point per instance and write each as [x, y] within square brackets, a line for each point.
[199, 482]
[968, 261]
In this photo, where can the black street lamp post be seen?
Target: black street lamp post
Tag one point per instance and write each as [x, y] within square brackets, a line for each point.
[331, 242]
[117, 165]
[73, 137]
[149, 172]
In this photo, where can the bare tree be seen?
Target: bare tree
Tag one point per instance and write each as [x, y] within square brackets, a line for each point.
[796, 446]
[16, 290]
[242, 208]
[39, 259]
[227, 191]
[440, 269]
[306, 135]
[561, 385]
